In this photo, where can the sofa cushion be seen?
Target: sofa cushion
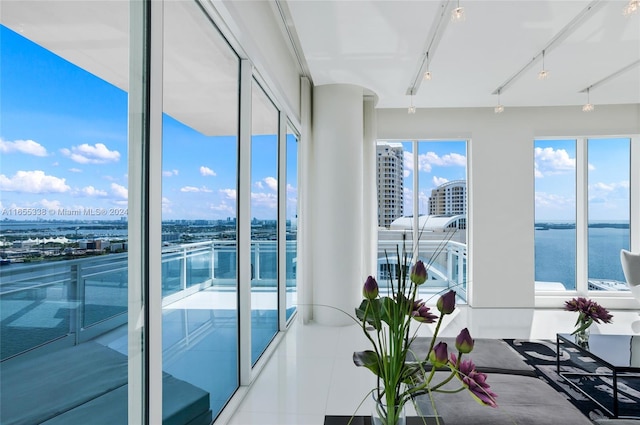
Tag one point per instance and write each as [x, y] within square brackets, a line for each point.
[522, 400]
[489, 355]
[35, 389]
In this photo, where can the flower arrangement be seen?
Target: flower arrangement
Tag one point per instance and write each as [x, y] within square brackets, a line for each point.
[386, 322]
[588, 312]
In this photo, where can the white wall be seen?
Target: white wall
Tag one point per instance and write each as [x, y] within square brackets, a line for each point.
[501, 181]
[260, 36]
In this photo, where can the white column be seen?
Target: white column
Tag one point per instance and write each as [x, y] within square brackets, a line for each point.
[336, 201]
[369, 193]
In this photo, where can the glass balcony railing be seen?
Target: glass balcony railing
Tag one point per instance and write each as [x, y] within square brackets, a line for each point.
[447, 268]
[72, 301]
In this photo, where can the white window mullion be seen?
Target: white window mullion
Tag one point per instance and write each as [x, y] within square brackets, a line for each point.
[282, 222]
[145, 214]
[582, 212]
[634, 188]
[244, 222]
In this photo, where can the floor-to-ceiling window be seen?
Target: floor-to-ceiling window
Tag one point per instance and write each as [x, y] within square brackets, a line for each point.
[72, 153]
[608, 211]
[582, 213]
[199, 176]
[555, 214]
[422, 197]
[292, 223]
[64, 191]
[264, 221]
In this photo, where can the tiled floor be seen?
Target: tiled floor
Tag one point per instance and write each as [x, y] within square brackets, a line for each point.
[310, 372]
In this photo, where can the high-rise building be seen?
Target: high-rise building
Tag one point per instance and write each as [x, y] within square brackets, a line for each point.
[390, 170]
[449, 198]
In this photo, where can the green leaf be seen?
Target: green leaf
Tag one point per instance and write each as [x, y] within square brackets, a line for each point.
[372, 310]
[368, 359]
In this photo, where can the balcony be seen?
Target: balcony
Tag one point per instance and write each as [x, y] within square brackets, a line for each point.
[55, 309]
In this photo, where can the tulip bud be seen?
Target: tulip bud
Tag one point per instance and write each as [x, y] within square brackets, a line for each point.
[418, 273]
[447, 302]
[370, 289]
[439, 355]
[464, 342]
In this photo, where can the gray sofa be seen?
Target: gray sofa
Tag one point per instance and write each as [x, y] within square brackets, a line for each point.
[523, 399]
[86, 384]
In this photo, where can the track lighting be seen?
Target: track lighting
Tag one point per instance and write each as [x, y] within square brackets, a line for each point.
[457, 14]
[588, 107]
[412, 109]
[499, 108]
[631, 8]
[543, 73]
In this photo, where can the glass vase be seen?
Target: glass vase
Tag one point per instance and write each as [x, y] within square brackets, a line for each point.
[384, 414]
[582, 338]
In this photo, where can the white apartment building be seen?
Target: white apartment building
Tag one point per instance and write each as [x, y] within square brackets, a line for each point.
[390, 172]
[449, 198]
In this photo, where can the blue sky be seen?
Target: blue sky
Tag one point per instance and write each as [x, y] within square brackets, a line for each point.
[63, 142]
[608, 179]
[439, 161]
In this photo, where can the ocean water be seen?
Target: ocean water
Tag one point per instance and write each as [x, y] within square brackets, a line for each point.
[555, 254]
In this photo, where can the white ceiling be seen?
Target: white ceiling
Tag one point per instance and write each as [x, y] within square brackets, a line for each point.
[380, 45]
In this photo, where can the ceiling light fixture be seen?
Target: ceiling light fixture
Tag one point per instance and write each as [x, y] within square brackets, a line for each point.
[543, 73]
[412, 109]
[588, 107]
[427, 74]
[631, 8]
[457, 14]
[499, 108]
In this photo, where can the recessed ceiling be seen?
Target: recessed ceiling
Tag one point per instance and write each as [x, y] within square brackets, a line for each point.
[381, 44]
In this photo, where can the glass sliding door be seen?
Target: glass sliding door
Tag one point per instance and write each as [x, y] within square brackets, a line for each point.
[292, 223]
[64, 228]
[199, 254]
[264, 221]
[555, 214]
[608, 211]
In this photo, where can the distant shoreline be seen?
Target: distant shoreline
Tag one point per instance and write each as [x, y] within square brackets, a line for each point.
[562, 226]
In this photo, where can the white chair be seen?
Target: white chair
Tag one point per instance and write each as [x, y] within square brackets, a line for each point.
[631, 268]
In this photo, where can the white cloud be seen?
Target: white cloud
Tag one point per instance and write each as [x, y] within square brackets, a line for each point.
[407, 162]
[92, 191]
[291, 189]
[166, 205]
[28, 147]
[259, 185]
[194, 189]
[229, 193]
[550, 161]
[75, 170]
[428, 160]
[224, 207]
[269, 200]
[206, 171]
[437, 181]
[51, 204]
[170, 173]
[119, 191]
[33, 182]
[271, 182]
[554, 201]
[87, 154]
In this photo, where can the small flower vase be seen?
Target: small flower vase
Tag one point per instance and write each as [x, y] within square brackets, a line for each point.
[582, 338]
[383, 414]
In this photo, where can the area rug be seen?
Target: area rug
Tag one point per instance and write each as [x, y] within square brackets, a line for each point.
[541, 354]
